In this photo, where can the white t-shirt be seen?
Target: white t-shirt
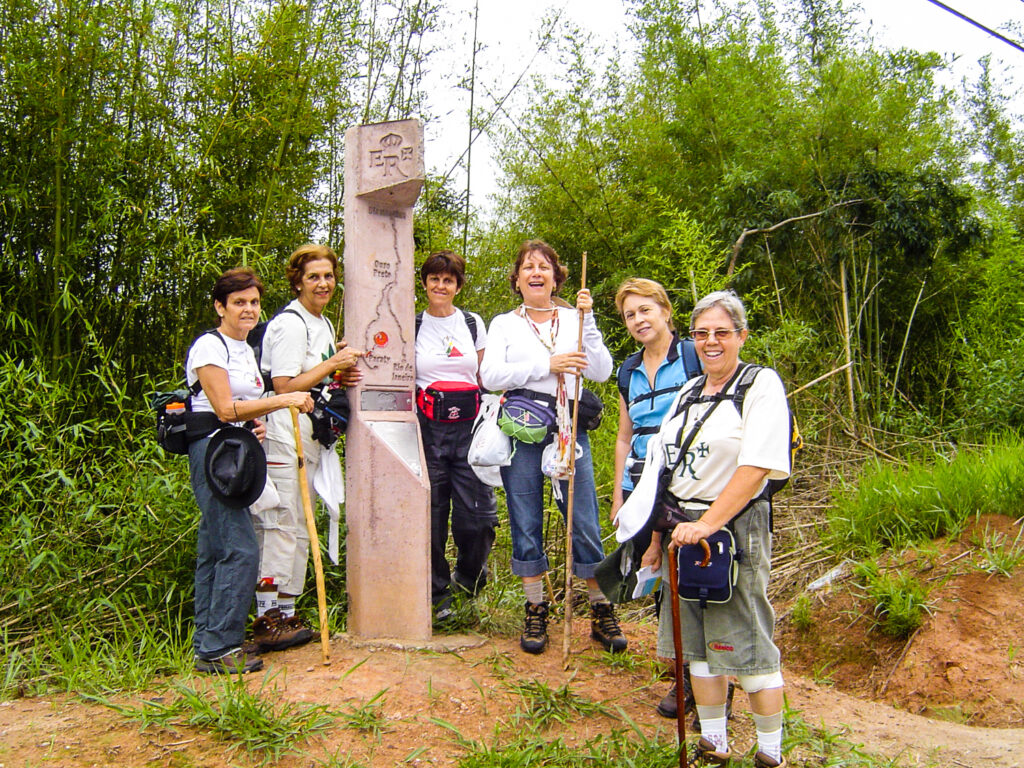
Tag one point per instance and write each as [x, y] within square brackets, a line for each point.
[292, 345]
[445, 350]
[760, 438]
[233, 355]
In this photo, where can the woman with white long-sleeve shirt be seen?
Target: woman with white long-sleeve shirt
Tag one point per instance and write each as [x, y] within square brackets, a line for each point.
[533, 351]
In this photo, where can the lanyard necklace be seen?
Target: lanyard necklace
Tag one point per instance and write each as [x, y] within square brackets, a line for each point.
[548, 345]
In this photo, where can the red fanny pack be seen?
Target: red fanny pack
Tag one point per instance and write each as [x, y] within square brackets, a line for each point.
[449, 401]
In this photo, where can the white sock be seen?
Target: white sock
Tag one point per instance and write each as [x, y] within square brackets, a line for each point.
[596, 595]
[714, 730]
[534, 591]
[266, 598]
[771, 744]
[287, 606]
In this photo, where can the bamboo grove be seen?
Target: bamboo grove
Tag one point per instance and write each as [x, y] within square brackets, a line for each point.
[869, 215]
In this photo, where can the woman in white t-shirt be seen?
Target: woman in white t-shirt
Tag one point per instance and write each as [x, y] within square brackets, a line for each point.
[731, 453]
[227, 556]
[299, 354]
[450, 343]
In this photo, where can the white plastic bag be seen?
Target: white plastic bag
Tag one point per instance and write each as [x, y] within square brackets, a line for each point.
[490, 448]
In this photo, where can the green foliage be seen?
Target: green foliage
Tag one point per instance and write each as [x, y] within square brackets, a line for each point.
[145, 147]
[248, 719]
[802, 615]
[892, 508]
[832, 167]
[98, 539]
[544, 705]
[367, 717]
[900, 599]
[998, 554]
[528, 748]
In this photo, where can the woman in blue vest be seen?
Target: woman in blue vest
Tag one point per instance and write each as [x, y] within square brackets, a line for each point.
[648, 381]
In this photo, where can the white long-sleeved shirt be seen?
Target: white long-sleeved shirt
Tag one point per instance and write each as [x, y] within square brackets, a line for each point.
[515, 358]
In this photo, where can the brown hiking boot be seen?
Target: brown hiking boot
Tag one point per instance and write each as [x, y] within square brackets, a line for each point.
[705, 754]
[761, 760]
[273, 632]
[236, 662]
[667, 706]
[604, 627]
[535, 634]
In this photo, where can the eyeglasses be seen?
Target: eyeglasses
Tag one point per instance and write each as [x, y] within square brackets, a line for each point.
[703, 334]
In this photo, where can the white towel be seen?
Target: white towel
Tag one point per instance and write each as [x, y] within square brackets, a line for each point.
[636, 510]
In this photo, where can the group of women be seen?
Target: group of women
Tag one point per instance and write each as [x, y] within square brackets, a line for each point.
[534, 352]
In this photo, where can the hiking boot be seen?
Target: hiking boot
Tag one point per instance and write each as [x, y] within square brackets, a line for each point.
[704, 754]
[667, 706]
[604, 627]
[761, 760]
[273, 632]
[535, 634]
[231, 663]
[444, 611]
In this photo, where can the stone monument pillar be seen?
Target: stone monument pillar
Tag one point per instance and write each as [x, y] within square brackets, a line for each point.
[387, 505]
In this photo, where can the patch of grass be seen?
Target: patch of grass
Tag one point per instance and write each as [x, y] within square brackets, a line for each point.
[367, 717]
[128, 656]
[997, 556]
[954, 713]
[822, 673]
[500, 663]
[801, 615]
[827, 747]
[893, 508]
[233, 713]
[629, 661]
[623, 746]
[900, 599]
[544, 705]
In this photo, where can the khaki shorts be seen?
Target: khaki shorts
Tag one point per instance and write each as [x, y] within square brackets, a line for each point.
[734, 638]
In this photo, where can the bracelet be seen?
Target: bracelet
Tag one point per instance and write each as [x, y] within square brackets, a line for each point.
[234, 408]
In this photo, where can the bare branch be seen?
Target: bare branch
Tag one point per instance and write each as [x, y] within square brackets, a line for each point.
[765, 230]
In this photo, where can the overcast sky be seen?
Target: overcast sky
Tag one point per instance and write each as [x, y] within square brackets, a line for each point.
[508, 30]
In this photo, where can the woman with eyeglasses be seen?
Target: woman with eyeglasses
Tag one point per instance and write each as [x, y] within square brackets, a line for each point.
[720, 449]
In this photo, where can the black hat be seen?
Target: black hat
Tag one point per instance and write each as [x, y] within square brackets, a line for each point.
[236, 466]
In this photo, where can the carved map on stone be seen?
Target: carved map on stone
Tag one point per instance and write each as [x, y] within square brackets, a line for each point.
[379, 271]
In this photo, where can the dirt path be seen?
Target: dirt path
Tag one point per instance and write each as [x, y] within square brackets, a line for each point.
[473, 692]
[914, 740]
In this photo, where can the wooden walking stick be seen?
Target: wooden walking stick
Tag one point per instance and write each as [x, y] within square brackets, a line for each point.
[677, 642]
[567, 634]
[314, 540]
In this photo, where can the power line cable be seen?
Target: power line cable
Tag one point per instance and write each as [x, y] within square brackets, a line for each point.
[978, 24]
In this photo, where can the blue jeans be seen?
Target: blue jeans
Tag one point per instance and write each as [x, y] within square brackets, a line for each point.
[524, 492]
[227, 566]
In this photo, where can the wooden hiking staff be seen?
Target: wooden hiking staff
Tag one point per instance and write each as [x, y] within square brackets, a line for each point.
[567, 633]
[677, 643]
[314, 540]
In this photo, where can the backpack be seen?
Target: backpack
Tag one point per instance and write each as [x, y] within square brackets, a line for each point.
[468, 316]
[744, 379]
[255, 340]
[176, 424]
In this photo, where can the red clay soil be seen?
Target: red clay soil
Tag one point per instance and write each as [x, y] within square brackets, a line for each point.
[962, 668]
